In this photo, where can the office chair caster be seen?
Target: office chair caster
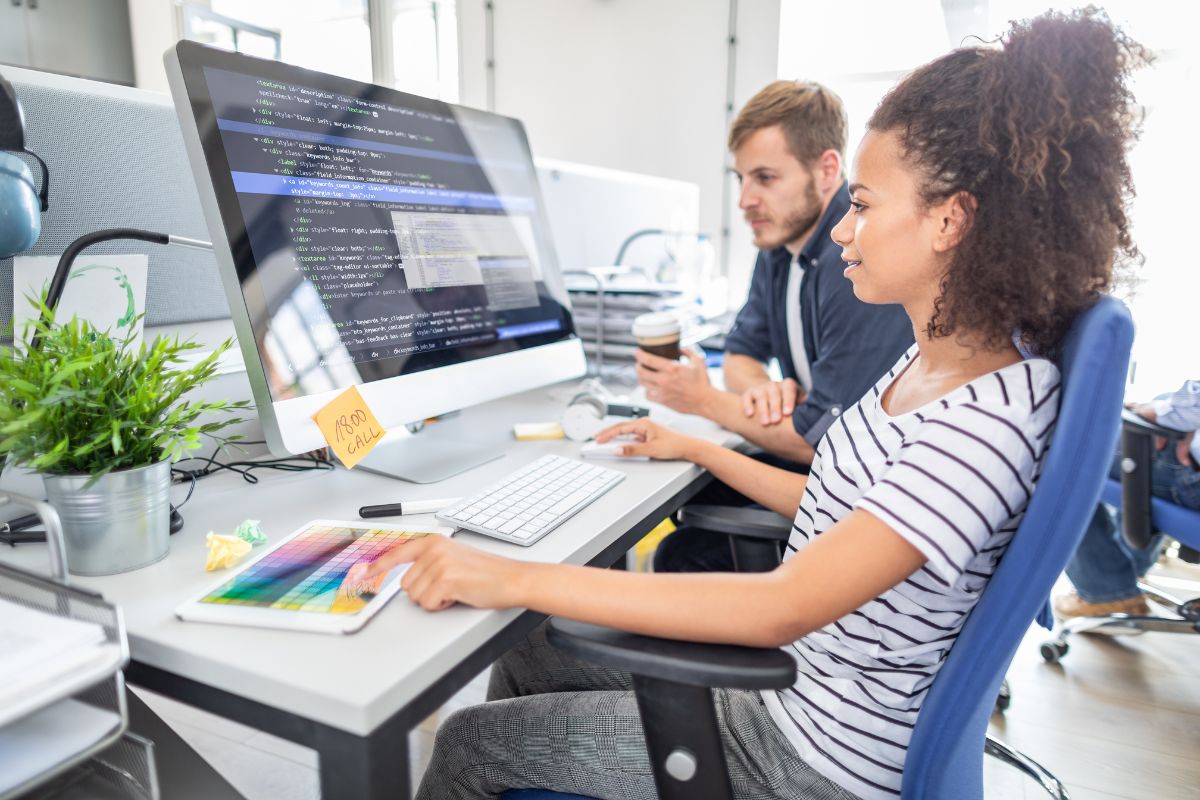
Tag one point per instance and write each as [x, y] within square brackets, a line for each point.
[1189, 610]
[1003, 697]
[1053, 651]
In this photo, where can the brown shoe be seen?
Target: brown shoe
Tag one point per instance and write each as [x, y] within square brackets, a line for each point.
[1071, 605]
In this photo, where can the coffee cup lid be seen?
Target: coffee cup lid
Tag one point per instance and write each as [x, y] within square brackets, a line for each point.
[658, 323]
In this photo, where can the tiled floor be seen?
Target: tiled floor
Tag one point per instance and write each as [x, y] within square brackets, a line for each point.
[1119, 718]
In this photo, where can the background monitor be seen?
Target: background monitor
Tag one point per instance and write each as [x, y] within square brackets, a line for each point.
[367, 236]
[593, 210]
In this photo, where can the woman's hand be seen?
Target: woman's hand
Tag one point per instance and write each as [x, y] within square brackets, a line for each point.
[445, 572]
[651, 439]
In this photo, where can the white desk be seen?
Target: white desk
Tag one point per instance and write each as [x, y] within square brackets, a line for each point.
[354, 698]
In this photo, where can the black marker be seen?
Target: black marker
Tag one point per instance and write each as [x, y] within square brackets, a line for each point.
[411, 507]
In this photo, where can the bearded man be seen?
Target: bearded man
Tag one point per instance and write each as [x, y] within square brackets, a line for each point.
[788, 145]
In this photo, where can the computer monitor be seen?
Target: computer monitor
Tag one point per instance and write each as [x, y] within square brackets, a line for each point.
[367, 236]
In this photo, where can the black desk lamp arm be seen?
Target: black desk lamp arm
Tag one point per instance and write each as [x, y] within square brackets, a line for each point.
[63, 270]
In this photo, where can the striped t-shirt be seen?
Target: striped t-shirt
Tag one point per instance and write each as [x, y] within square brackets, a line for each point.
[953, 478]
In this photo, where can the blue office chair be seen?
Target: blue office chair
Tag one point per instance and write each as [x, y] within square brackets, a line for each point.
[944, 762]
[1141, 515]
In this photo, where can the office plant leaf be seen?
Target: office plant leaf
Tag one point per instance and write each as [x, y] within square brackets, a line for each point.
[85, 402]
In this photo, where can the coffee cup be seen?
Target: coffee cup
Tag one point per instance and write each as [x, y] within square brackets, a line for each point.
[658, 334]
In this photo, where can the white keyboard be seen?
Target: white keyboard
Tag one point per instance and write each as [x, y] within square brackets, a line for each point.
[534, 500]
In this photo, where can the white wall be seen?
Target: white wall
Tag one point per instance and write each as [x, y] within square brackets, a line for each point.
[636, 85]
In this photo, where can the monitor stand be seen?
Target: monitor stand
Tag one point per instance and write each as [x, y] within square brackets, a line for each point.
[431, 455]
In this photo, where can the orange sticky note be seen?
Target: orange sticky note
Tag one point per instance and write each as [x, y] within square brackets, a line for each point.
[349, 426]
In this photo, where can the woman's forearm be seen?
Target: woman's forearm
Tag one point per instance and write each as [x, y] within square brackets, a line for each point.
[777, 489]
[712, 607]
[726, 410]
[856, 560]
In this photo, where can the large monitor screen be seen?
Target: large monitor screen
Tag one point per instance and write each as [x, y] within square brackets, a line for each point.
[375, 234]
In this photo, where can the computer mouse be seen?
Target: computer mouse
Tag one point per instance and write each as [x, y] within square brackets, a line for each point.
[176, 520]
[609, 449]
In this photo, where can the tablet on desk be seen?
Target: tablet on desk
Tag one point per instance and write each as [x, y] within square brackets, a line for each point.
[302, 583]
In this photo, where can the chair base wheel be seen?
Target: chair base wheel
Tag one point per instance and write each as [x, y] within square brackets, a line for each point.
[1053, 651]
[1190, 610]
[1014, 758]
[1003, 697]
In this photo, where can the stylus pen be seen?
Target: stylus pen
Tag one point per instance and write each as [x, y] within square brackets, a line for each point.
[411, 507]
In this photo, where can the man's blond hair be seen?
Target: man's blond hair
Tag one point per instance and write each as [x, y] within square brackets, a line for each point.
[812, 117]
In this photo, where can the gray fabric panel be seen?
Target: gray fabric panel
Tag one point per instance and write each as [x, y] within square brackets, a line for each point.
[117, 162]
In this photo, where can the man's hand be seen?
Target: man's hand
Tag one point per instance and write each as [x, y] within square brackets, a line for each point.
[1144, 410]
[1147, 412]
[773, 401]
[651, 439]
[1182, 447]
[1183, 450]
[445, 572]
[683, 387]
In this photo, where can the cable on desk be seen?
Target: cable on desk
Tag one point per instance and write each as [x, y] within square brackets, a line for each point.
[308, 462]
[24, 530]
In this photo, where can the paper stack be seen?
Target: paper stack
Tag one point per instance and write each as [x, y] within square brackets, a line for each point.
[42, 654]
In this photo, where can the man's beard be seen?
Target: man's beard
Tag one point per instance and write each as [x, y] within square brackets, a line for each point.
[800, 221]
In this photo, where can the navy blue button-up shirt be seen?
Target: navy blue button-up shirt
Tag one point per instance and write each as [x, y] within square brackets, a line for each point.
[849, 343]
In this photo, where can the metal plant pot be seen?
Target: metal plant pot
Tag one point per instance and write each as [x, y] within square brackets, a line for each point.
[119, 523]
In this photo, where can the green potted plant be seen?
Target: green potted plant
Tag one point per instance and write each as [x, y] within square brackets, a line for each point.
[102, 419]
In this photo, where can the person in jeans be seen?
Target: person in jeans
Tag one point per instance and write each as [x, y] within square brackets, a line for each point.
[914, 493]
[1105, 570]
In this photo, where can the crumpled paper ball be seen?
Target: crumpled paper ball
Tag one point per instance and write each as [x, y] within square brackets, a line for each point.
[224, 551]
[250, 531]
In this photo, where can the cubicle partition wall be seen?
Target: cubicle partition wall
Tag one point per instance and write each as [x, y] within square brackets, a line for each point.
[116, 159]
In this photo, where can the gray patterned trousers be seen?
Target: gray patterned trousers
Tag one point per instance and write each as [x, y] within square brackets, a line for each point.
[554, 722]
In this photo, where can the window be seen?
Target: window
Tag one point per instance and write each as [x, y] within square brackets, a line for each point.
[424, 44]
[327, 35]
[863, 63]
[204, 25]
[411, 45]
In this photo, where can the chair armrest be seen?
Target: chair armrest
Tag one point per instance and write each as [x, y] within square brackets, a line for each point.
[1137, 457]
[710, 665]
[1132, 422]
[752, 523]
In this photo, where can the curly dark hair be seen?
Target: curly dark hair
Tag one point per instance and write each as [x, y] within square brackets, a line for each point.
[1037, 133]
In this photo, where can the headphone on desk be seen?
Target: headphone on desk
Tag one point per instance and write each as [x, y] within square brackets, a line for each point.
[586, 412]
[21, 203]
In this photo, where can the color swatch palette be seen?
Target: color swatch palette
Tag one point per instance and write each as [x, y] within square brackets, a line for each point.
[308, 571]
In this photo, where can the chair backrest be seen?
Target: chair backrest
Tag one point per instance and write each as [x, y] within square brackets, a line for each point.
[945, 755]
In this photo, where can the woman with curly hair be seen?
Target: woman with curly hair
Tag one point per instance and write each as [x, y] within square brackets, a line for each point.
[988, 199]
